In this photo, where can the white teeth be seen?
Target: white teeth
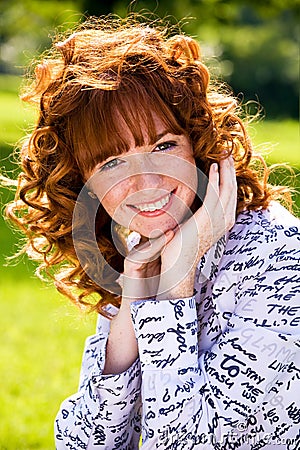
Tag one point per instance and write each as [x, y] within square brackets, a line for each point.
[149, 207]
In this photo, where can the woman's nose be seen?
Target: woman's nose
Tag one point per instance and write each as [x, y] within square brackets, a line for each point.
[146, 174]
[145, 181]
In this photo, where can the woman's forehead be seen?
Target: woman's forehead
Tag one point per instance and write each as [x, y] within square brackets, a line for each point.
[150, 133]
[114, 122]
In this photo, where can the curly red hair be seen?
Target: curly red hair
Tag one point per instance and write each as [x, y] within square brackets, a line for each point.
[135, 69]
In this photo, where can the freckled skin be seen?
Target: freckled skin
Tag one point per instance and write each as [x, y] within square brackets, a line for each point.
[122, 191]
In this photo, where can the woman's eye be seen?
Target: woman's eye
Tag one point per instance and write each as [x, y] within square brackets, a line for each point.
[165, 146]
[110, 164]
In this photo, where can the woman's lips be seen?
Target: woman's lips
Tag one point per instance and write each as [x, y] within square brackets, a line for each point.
[156, 212]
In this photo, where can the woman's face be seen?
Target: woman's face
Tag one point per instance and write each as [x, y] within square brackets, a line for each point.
[148, 189]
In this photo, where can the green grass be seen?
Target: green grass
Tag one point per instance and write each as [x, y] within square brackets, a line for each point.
[14, 115]
[279, 141]
[42, 333]
[40, 357]
[14, 118]
[43, 336]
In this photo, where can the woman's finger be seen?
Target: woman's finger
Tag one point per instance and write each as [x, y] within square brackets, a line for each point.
[228, 185]
[150, 250]
[228, 191]
[219, 206]
[212, 192]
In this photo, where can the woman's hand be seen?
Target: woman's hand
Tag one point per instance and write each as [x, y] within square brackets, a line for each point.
[142, 268]
[196, 236]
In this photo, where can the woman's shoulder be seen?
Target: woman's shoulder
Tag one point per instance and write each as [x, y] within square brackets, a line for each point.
[267, 225]
[259, 235]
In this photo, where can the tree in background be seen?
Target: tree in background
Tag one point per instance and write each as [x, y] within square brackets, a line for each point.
[99, 8]
[252, 45]
[25, 28]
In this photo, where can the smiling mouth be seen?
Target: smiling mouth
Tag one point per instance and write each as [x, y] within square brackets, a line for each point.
[155, 206]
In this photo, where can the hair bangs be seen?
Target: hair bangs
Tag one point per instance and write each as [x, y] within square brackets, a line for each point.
[112, 119]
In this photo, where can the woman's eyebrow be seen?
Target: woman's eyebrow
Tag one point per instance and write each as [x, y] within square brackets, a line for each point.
[159, 136]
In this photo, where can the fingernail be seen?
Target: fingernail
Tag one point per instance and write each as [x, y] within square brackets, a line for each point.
[215, 167]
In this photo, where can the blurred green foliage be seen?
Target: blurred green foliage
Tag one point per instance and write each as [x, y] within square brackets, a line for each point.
[251, 45]
[26, 27]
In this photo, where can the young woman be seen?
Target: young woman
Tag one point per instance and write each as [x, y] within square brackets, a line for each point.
[139, 187]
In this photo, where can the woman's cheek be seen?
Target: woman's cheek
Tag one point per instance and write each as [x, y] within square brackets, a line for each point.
[109, 203]
[113, 202]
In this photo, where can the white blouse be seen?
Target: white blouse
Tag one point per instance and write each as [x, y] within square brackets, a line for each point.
[219, 370]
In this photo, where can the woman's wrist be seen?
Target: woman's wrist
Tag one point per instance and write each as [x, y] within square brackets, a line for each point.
[176, 284]
[138, 288]
[120, 352]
